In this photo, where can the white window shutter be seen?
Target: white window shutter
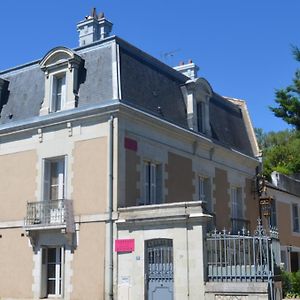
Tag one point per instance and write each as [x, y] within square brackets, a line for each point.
[46, 180]
[239, 203]
[153, 184]
[201, 189]
[53, 95]
[159, 184]
[43, 291]
[233, 203]
[61, 178]
[63, 92]
[207, 194]
[146, 199]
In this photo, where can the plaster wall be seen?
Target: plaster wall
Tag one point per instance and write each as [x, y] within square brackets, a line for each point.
[88, 263]
[16, 265]
[187, 258]
[17, 184]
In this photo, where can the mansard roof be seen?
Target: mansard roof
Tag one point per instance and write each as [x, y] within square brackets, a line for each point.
[144, 83]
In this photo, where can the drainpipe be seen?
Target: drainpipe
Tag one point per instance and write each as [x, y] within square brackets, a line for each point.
[110, 237]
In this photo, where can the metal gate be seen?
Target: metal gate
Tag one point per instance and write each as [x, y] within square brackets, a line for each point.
[159, 269]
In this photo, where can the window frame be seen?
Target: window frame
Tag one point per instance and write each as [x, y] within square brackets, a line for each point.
[205, 182]
[54, 92]
[152, 180]
[61, 180]
[295, 218]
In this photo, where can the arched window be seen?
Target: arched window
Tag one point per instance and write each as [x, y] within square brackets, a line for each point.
[197, 94]
[61, 67]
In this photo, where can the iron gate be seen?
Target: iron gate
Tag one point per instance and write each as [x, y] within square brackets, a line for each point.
[159, 269]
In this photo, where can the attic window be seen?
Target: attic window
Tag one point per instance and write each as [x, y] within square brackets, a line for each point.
[197, 94]
[62, 68]
[3, 92]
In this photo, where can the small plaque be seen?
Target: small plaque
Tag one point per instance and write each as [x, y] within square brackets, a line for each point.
[124, 245]
[130, 144]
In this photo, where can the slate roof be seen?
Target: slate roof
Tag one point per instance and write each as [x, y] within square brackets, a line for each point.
[146, 83]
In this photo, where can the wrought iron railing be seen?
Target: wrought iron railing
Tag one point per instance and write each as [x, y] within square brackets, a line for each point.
[240, 257]
[49, 213]
[238, 224]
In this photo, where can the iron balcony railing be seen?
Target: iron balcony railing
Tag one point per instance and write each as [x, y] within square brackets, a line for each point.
[52, 213]
[241, 257]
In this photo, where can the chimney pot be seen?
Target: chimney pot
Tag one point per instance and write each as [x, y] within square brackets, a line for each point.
[190, 69]
[93, 28]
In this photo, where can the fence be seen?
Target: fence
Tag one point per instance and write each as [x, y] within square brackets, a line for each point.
[241, 257]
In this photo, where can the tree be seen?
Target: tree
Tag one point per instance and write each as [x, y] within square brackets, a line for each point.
[288, 99]
[280, 151]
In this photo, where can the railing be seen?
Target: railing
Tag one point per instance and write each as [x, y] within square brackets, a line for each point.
[238, 224]
[240, 257]
[49, 213]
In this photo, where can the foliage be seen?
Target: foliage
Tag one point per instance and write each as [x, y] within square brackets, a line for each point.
[288, 99]
[280, 151]
[290, 284]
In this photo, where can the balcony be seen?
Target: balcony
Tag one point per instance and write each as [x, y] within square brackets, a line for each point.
[54, 214]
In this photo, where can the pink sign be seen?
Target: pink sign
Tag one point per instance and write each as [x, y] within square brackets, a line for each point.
[124, 245]
[130, 144]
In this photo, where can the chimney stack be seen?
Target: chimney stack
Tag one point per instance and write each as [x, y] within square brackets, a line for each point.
[190, 69]
[93, 28]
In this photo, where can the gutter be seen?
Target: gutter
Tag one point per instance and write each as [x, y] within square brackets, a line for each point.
[109, 238]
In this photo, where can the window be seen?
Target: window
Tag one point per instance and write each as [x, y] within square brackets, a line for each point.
[52, 273]
[237, 220]
[295, 218]
[54, 179]
[273, 221]
[152, 183]
[201, 117]
[205, 192]
[62, 68]
[58, 92]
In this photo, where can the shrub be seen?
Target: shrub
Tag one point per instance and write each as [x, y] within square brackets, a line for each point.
[290, 284]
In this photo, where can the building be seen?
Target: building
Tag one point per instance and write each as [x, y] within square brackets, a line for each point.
[113, 163]
[285, 194]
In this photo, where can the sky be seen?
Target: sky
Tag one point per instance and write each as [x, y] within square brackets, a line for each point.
[243, 48]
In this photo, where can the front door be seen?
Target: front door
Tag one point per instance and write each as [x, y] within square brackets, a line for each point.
[159, 269]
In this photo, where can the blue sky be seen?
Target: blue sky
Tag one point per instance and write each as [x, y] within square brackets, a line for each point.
[243, 48]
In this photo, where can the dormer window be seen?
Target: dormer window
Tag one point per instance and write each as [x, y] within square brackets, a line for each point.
[197, 94]
[62, 69]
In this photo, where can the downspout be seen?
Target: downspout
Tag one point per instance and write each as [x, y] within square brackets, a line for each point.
[110, 207]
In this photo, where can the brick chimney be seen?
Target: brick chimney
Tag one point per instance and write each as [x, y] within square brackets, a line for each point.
[93, 28]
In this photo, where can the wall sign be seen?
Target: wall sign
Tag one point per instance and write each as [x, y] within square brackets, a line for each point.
[124, 245]
[130, 144]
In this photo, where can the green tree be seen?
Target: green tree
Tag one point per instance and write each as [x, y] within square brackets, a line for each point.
[288, 99]
[280, 151]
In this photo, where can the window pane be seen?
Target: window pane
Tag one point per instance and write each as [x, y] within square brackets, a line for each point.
[200, 116]
[51, 287]
[51, 255]
[51, 271]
